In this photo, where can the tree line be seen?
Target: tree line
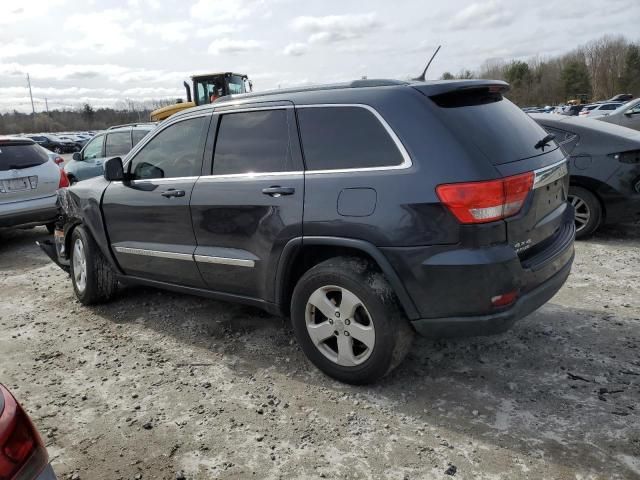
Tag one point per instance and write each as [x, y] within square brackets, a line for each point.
[597, 70]
[81, 119]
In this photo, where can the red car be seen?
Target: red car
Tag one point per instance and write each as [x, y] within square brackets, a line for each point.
[22, 452]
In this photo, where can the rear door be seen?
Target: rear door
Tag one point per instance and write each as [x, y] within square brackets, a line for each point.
[250, 204]
[147, 217]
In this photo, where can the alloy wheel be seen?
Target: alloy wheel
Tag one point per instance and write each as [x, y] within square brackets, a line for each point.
[583, 212]
[79, 266]
[340, 326]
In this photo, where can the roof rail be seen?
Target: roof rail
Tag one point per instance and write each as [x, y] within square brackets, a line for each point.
[137, 124]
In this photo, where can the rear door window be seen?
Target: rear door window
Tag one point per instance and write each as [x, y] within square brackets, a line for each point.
[16, 157]
[345, 138]
[118, 143]
[252, 142]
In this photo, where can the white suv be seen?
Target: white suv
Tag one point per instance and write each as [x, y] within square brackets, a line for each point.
[29, 180]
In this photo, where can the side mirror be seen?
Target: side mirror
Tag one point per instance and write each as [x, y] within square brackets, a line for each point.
[113, 169]
[77, 157]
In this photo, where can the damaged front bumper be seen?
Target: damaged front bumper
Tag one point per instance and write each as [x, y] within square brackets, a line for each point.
[56, 248]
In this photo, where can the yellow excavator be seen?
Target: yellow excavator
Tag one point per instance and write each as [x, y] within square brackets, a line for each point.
[206, 88]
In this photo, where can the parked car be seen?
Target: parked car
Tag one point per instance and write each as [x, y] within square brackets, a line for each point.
[571, 110]
[364, 211]
[115, 142]
[604, 164]
[28, 183]
[598, 109]
[78, 141]
[627, 115]
[23, 455]
[53, 143]
[54, 157]
[621, 97]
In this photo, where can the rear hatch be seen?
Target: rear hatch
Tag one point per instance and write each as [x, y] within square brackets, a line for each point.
[25, 171]
[482, 119]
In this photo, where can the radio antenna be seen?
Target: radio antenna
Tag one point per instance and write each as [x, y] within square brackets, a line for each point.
[421, 78]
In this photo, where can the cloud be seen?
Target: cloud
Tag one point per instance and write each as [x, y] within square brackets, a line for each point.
[228, 45]
[27, 10]
[19, 48]
[296, 49]
[481, 15]
[336, 28]
[223, 11]
[102, 31]
[218, 30]
[171, 32]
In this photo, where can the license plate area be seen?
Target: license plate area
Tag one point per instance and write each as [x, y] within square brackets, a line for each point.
[16, 184]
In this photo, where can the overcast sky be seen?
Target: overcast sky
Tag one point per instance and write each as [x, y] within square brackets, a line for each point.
[103, 51]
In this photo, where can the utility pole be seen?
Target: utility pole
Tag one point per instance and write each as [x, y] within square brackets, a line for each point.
[46, 102]
[33, 109]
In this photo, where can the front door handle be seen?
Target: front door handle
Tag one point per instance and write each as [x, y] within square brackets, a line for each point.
[172, 192]
[277, 191]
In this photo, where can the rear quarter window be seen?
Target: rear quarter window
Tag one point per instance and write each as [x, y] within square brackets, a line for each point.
[16, 157]
[345, 138]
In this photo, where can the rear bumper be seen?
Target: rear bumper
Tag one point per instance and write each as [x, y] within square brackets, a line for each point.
[39, 211]
[496, 322]
[452, 286]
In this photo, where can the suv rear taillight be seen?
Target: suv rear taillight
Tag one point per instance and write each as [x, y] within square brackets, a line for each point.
[21, 448]
[64, 180]
[482, 202]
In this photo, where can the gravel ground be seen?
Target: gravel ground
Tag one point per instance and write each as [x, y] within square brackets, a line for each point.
[158, 385]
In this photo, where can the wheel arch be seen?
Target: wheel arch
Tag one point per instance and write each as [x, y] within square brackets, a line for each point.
[302, 253]
[593, 185]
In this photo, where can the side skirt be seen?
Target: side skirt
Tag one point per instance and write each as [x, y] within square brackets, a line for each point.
[269, 307]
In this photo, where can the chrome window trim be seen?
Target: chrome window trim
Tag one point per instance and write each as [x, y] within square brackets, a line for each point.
[237, 262]
[549, 174]
[406, 158]
[224, 110]
[154, 253]
[249, 175]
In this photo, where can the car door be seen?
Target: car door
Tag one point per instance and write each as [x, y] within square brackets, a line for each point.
[147, 216]
[250, 205]
[90, 163]
[631, 117]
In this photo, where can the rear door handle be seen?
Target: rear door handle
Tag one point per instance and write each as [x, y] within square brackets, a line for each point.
[277, 191]
[172, 192]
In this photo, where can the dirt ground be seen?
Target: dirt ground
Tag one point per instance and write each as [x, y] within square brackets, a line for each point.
[158, 385]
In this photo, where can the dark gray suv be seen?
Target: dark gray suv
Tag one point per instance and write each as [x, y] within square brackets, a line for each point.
[364, 211]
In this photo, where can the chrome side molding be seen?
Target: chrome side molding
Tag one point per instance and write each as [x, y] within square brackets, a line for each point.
[549, 174]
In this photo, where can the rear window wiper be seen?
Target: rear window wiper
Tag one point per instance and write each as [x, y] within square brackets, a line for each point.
[544, 142]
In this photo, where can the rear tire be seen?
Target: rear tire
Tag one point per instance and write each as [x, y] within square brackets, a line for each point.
[588, 211]
[359, 330]
[92, 277]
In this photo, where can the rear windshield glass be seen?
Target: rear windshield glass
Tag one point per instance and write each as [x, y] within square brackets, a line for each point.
[490, 123]
[16, 157]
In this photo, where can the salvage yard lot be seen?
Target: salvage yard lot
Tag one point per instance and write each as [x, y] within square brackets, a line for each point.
[170, 386]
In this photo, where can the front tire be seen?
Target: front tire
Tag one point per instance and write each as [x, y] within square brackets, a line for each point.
[588, 211]
[92, 277]
[348, 322]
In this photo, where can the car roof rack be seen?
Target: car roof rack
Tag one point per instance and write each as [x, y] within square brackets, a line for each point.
[137, 124]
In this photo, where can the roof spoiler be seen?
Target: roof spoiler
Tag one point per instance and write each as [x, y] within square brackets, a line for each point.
[439, 87]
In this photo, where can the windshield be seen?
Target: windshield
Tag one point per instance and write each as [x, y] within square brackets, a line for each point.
[236, 84]
[207, 90]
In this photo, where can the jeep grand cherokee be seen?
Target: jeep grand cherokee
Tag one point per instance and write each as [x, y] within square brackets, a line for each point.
[364, 211]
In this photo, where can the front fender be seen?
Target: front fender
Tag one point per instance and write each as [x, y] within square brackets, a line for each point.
[81, 204]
